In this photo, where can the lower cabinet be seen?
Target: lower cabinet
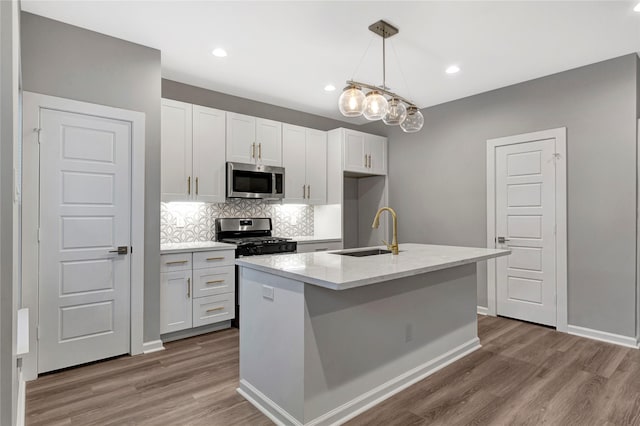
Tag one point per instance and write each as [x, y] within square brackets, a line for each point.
[196, 289]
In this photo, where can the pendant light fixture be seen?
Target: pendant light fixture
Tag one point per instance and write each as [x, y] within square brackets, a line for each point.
[379, 102]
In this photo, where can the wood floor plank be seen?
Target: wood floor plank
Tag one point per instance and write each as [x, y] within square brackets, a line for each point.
[523, 375]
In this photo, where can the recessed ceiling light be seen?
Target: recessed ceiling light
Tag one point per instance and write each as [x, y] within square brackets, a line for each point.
[637, 8]
[452, 69]
[329, 87]
[219, 52]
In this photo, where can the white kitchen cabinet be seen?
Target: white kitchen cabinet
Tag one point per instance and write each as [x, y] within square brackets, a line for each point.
[176, 150]
[196, 289]
[364, 153]
[176, 303]
[253, 140]
[192, 152]
[304, 158]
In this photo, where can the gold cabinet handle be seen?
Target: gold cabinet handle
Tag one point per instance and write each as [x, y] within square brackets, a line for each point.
[188, 288]
[214, 282]
[189, 185]
[219, 308]
[196, 186]
[176, 262]
[253, 150]
[215, 258]
[260, 151]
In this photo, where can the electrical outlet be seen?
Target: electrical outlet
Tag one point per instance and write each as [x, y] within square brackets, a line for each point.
[267, 292]
[180, 222]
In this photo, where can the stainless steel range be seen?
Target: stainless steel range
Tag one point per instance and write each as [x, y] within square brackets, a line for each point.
[252, 236]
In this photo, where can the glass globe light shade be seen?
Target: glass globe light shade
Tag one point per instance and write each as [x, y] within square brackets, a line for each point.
[396, 112]
[414, 121]
[375, 106]
[351, 102]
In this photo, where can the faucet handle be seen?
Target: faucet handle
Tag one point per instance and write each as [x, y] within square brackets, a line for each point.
[386, 244]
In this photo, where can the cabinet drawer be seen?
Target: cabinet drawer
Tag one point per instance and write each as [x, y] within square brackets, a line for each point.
[175, 262]
[210, 281]
[208, 259]
[212, 309]
[318, 247]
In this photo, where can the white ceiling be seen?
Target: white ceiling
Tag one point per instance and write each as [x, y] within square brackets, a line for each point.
[284, 53]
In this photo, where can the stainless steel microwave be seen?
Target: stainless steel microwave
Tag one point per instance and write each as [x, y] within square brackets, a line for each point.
[255, 181]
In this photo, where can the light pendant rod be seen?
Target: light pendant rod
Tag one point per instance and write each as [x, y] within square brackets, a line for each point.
[384, 65]
[382, 90]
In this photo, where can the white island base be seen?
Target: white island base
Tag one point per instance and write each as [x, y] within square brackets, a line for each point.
[311, 355]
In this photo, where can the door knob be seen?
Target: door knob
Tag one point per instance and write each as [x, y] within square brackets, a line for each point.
[120, 250]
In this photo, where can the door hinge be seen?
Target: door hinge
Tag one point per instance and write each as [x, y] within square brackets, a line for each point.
[39, 132]
[38, 234]
[38, 332]
[131, 250]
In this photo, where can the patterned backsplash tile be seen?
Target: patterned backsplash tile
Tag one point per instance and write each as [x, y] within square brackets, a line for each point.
[186, 222]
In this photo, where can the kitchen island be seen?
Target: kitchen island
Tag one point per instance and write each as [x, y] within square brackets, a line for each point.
[326, 336]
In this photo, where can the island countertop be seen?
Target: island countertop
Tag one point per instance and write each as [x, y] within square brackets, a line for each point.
[337, 272]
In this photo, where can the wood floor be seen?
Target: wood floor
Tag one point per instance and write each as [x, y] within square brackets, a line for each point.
[524, 374]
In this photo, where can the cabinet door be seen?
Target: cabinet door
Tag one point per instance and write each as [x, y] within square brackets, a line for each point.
[176, 168]
[316, 166]
[175, 301]
[268, 142]
[241, 135]
[354, 152]
[293, 160]
[208, 154]
[377, 148]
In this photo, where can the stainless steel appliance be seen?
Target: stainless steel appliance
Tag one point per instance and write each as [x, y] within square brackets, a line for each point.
[252, 236]
[255, 181]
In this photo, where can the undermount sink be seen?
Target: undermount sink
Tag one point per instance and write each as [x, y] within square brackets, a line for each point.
[362, 253]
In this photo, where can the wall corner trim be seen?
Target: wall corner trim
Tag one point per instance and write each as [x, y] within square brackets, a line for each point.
[152, 346]
[603, 336]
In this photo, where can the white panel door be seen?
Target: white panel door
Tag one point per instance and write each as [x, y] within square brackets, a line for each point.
[209, 154]
[525, 217]
[355, 154]
[85, 199]
[176, 151]
[269, 142]
[377, 149]
[293, 160]
[241, 138]
[176, 301]
[316, 166]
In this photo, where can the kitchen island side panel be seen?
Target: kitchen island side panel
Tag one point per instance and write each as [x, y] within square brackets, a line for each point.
[272, 340]
[359, 339]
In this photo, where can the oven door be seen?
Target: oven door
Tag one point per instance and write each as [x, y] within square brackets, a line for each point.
[254, 181]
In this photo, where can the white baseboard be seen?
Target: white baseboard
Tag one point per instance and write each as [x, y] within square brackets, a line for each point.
[483, 311]
[363, 402]
[603, 336]
[152, 346]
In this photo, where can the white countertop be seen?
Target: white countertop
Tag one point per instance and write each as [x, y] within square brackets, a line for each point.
[309, 239]
[338, 272]
[194, 246]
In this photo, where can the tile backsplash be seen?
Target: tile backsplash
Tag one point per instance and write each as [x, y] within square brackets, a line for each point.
[186, 222]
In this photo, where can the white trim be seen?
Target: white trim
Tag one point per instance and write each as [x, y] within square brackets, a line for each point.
[560, 136]
[21, 400]
[32, 103]
[363, 402]
[483, 311]
[603, 336]
[152, 346]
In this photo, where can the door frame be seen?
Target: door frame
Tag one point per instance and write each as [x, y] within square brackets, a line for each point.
[32, 104]
[560, 135]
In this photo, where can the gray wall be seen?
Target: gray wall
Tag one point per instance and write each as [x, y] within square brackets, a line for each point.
[443, 168]
[71, 62]
[199, 96]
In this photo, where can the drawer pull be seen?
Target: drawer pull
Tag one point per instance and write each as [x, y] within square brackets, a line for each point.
[214, 282]
[219, 308]
[215, 258]
[175, 262]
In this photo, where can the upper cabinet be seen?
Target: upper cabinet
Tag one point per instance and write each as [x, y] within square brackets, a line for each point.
[304, 157]
[362, 153]
[253, 140]
[193, 152]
